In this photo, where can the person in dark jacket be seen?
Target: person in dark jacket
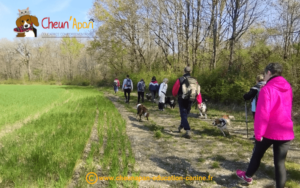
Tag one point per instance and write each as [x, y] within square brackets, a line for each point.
[184, 105]
[141, 90]
[253, 93]
[153, 87]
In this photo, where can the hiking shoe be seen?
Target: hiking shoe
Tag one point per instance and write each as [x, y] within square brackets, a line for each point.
[242, 175]
[179, 129]
[187, 134]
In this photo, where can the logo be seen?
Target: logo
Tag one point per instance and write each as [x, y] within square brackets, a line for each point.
[25, 24]
[91, 178]
[47, 24]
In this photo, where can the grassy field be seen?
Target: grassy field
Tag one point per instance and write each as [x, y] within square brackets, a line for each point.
[45, 151]
[19, 102]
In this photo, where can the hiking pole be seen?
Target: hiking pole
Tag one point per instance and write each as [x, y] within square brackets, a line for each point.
[246, 117]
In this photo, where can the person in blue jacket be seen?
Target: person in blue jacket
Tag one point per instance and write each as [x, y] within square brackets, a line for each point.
[153, 87]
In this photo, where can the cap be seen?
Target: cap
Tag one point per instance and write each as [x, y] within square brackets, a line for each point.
[187, 69]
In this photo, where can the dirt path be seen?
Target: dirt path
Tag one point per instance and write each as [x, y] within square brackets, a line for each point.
[206, 154]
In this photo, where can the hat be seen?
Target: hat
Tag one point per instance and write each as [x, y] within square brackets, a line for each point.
[187, 69]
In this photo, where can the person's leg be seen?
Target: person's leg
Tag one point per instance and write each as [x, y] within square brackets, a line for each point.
[180, 111]
[142, 94]
[129, 90]
[280, 149]
[139, 95]
[125, 94]
[258, 152]
[183, 114]
[253, 113]
[152, 96]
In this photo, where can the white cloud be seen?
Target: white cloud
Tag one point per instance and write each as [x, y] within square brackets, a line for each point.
[4, 10]
[61, 6]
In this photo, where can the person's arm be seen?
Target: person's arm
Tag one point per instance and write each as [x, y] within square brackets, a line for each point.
[132, 85]
[251, 94]
[176, 88]
[123, 84]
[262, 114]
[199, 99]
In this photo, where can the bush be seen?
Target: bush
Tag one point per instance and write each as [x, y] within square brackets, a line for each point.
[158, 134]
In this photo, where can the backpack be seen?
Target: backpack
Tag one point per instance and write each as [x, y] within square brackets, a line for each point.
[190, 88]
[115, 83]
[128, 84]
[141, 86]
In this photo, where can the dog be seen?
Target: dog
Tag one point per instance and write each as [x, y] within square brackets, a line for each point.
[170, 101]
[203, 110]
[142, 110]
[148, 96]
[222, 123]
[25, 26]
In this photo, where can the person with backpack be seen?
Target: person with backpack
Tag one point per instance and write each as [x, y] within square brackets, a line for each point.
[273, 124]
[141, 90]
[188, 91]
[153, 87]
[254, 92]
[116, 85]
[127, 88]
[162, 94]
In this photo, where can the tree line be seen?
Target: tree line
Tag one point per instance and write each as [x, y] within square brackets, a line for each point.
[226, 42]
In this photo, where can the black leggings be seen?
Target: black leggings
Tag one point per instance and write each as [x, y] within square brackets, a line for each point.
[280, 149]
[140, 94]
[125, 92]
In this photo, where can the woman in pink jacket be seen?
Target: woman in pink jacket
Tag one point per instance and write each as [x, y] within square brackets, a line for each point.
[273, 124]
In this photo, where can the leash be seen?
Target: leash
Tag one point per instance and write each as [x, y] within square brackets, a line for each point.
[246, 117]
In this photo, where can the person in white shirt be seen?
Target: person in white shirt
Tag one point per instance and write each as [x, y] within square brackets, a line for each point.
[162, 94]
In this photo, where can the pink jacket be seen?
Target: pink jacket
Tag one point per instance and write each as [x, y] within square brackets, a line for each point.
[273, 116]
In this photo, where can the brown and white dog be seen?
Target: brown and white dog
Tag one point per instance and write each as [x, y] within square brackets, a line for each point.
[203, 110]
[27, 23]
[222, 123]
[142, 111]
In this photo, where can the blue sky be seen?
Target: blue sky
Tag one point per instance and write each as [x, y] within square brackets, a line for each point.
[57, 10]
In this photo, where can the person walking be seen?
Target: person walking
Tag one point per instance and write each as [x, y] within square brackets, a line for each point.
[116, 84]
[162, 94]
[253, 93]
[153, 88]
[273, 124]
[127, 87]
[185, 104]
[141, 90]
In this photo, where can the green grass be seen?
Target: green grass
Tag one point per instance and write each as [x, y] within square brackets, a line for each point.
[158, 134]
[44, 152]
[215, 165]
[19, 102]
